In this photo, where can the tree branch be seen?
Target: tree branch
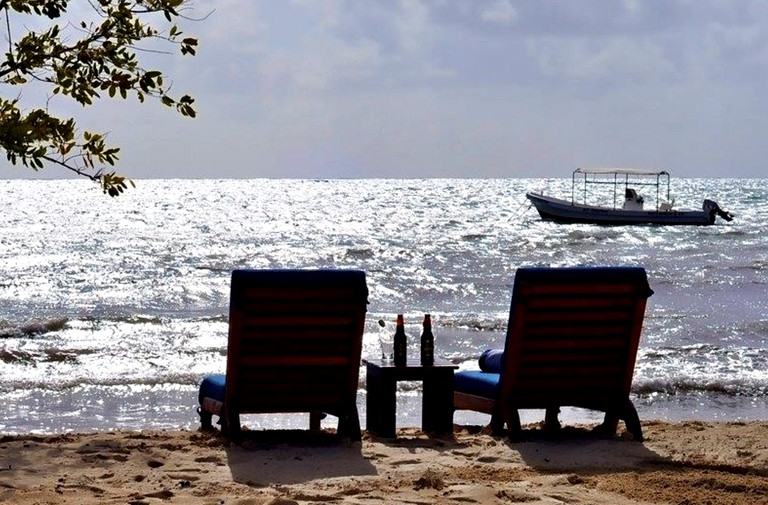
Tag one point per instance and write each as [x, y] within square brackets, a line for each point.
[94, 177]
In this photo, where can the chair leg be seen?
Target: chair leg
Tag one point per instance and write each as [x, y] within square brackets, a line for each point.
[514, 426]
[629, 415]
[551, 421]
[632, 420]
[206, 419]
[497, 425]
[230, 424]
[608, 428]
[314, 420]
[349, 425]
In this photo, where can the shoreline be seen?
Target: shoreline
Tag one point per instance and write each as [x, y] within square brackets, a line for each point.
[133, 407]
[687, 462]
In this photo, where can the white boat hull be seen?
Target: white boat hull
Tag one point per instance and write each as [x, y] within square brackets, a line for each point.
[563, 211]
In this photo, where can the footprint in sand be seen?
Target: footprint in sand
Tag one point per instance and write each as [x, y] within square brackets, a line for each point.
[163, 495]
[183, 476]
[377, 456]
[98, 456]
[406, 462]
[101, 448]
[466, 454]
[93, 489]
[273, 501]
[190, 470]
[209, 459]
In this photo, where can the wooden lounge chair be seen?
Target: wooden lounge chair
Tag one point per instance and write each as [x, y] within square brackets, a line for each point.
[572, 340]
[295, 338]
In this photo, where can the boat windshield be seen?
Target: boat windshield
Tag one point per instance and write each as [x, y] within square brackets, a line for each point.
[587, 184]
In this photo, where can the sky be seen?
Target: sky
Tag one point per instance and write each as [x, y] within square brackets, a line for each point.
[452, 88]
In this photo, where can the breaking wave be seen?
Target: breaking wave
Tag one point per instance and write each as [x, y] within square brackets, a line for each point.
[34, 327]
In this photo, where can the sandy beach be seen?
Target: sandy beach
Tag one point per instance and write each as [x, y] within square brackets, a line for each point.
[683, 463]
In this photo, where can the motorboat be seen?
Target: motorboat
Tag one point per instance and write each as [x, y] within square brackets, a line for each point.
[629, 206]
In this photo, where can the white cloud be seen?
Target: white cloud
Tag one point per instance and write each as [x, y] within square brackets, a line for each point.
[500, 12]
[609, 60]
[413, 27]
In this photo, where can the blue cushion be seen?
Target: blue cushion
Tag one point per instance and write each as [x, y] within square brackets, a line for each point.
[492, 360]
[213, 386]
[476, 382]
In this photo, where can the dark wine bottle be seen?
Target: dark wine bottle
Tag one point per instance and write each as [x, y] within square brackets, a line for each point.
[401, 344]
[427, 342]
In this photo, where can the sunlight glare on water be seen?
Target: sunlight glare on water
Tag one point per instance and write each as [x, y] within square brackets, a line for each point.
[143, 284]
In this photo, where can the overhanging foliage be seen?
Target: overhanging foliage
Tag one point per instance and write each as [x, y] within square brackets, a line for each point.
[83, 60]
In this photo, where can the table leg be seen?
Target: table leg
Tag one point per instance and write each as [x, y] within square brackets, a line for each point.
[380, 405]
[372, 401]
[387, 407]
[437, 403]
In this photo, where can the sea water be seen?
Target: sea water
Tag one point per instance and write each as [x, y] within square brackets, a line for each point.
[112, 309]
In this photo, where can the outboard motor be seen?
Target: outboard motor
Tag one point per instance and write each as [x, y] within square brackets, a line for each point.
[711, 207]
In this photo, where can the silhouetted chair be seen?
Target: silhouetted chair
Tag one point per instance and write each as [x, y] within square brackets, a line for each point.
[572, 340]
[295, 338]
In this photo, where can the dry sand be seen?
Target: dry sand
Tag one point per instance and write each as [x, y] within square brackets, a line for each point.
[679, 463]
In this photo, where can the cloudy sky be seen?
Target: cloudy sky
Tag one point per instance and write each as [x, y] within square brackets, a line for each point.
[456, 88]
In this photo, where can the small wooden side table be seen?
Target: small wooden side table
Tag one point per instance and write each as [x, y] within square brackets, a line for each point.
[437, 397]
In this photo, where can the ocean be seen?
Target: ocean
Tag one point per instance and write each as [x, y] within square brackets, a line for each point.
[112, 309]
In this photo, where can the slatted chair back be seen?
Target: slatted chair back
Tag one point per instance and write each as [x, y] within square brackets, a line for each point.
[295, 339]
[572, 339]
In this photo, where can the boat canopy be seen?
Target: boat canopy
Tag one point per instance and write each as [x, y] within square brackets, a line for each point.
[621, 179]
[622, 171]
